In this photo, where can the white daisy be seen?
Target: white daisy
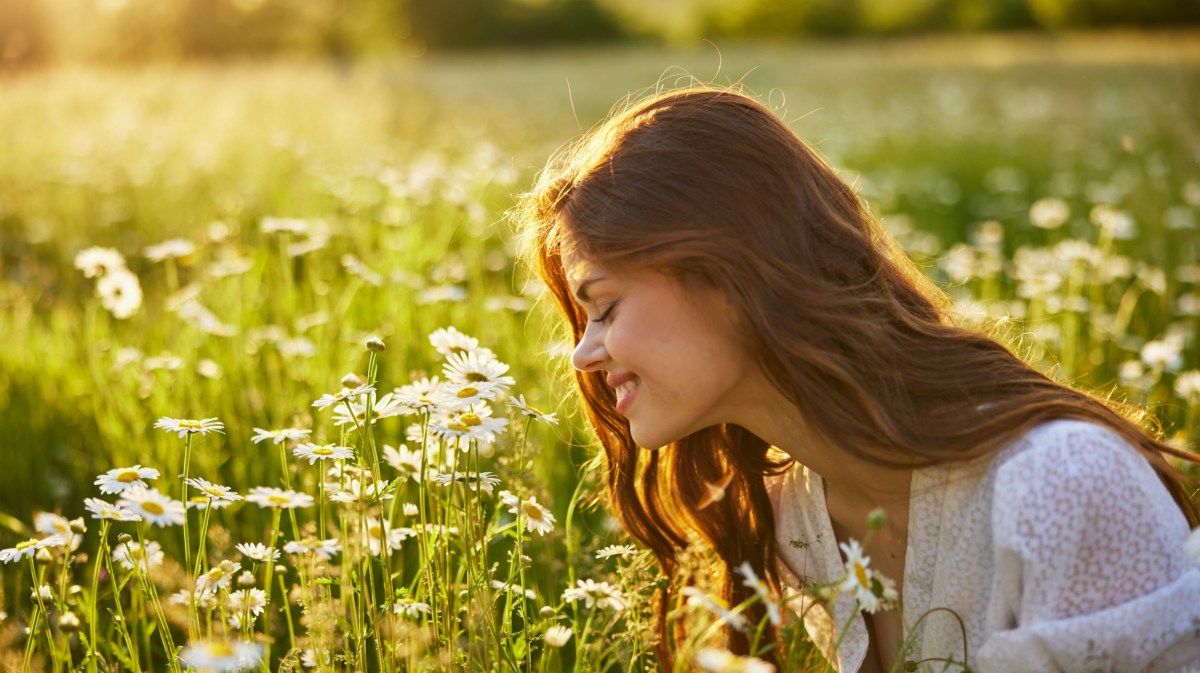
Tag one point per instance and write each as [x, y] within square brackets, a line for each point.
[720, 661]
[120, 293]
[863, 583]
[259, 553]
[600, 594]
[485, 481]
[326, 549]
[125, 478]
[409, 608]
[272, 497]
[406, 462]
[343, 395]
[105, 510]
[201, 503]
[558, 635]
[222, 656]
[97, 261]
[217, 578]
[214, 492]
[280, 436]
[760, 587]
[618, 550]
[361, 490]
[450, 341]
[410, 509]
[425, 396]
[511, 588]
[169, 249]
[48, 523]
[322, 452]
[475, 367]
[289, 225]
[697, 598]
[473, 423]
[526, 410]
[130, 555]
[185, 426]
[153, 507]
[248, 601]
[468, 394]
[385, 407]
[30, 547]
[1187, 385]
[375, 531]
[537, 518]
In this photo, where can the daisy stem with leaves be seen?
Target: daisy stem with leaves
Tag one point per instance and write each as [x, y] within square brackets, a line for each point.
[148, 589]
[101, 551]
[33, 621]
[276, 515]
[187, 457]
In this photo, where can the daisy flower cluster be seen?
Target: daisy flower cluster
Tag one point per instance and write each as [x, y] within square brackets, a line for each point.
[116, 286]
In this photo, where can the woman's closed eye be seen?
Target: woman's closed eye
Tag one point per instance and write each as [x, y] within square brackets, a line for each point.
[606, 313]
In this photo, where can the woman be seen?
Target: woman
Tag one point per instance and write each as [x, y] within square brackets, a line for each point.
[728, 293]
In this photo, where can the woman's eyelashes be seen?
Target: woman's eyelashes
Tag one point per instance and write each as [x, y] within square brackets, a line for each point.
[606, 313]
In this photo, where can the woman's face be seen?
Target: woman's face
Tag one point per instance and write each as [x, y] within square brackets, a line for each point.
[669, 348]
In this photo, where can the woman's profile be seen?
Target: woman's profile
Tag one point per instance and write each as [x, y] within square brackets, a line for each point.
[739, 314]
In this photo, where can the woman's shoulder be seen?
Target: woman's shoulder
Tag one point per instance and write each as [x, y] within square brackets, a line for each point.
[1070, 449]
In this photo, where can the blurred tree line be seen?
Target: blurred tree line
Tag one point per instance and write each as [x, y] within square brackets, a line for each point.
[41, 31]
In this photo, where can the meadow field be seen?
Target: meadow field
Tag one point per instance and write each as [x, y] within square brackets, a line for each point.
[288, 295]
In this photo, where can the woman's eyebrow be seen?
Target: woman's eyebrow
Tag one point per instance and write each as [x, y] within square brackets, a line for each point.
[581, 292]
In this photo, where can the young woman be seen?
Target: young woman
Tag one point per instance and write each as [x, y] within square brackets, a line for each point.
[740, 315]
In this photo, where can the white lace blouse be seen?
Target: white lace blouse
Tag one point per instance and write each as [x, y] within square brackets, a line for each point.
[1062, 552]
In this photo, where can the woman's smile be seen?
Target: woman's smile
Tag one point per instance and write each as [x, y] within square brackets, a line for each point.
[668, 345]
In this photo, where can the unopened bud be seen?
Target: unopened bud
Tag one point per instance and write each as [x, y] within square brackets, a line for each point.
[246, 579]
[78, 525]
[875, 519]
[124, 538]
[376, 344]
[68, 622]
[281, 570]
[351, 381]
[43, 555]
[548, 611]
[227, 567]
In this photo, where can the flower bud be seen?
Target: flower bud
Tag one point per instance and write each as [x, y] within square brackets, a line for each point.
[124, 538]
[246, 579]
[68, 622]
[875, 519]
[376, 344]
[547, 611]
[351, 380]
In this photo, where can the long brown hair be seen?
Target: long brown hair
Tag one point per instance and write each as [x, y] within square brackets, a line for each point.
[709, 182]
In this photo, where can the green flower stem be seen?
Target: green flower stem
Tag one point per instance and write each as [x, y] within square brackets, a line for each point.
[148, 588]
[286, 608]
[101, 551]
[270, 569]
[187, 457]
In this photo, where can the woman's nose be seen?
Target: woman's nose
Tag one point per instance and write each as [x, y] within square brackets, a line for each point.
[590, 354]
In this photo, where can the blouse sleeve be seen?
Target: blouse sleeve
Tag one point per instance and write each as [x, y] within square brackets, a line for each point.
[1090, 561]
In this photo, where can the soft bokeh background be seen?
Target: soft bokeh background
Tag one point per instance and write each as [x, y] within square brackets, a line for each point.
[1039, 158]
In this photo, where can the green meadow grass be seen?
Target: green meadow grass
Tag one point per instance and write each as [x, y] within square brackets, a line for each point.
[403, 173]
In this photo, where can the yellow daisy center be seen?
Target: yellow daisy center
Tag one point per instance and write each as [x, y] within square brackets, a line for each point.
[469, 391]
[152, 507]
[198, 499]
[127, 476]
[135, 552]
[470, 419]
[277, 499]
[476, 377]
[861, 573]
[190, 425]
[375, 531]
[220, 649]
[533, 511]
[323, 451]
[27, 544]
[458, 427]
